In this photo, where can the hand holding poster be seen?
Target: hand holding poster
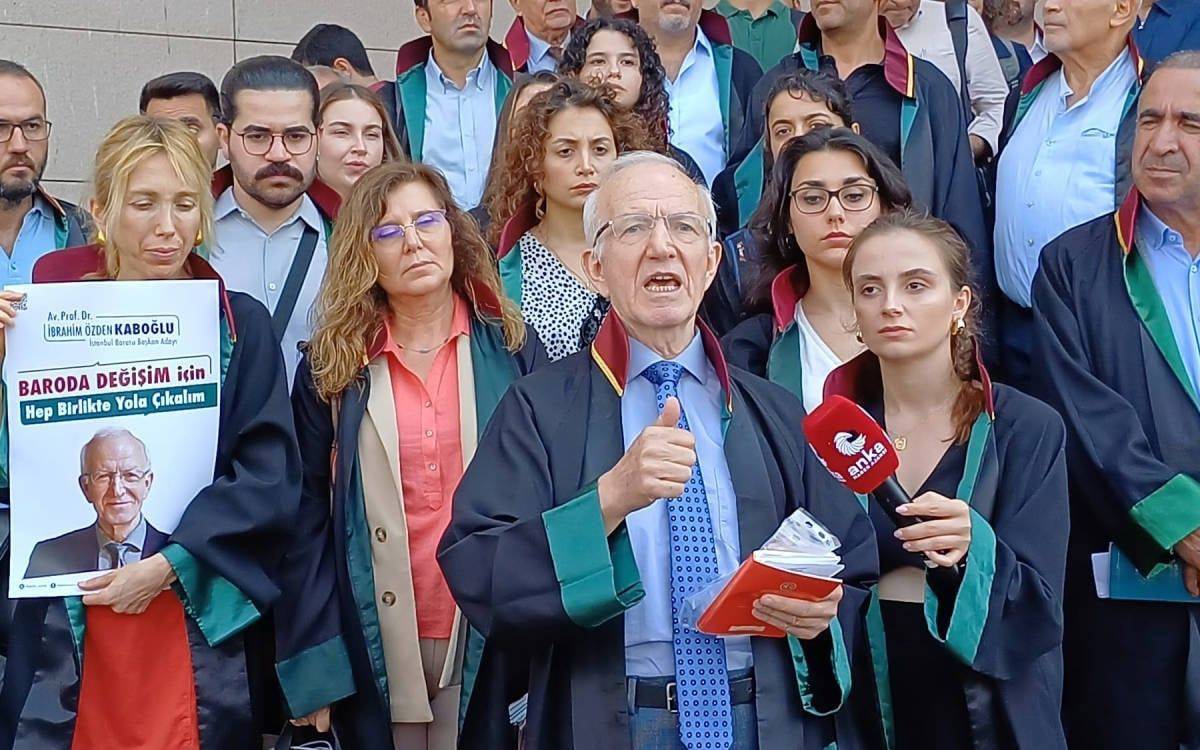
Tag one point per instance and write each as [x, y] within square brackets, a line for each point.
[113, 409]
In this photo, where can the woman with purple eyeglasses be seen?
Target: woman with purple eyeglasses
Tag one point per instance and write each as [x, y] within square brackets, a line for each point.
[413, 347]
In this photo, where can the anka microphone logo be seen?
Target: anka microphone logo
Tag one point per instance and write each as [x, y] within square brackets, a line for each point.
[849, 443]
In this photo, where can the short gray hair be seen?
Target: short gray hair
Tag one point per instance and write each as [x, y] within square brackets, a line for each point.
[109, 433]
[1188, 59]
[591, 207]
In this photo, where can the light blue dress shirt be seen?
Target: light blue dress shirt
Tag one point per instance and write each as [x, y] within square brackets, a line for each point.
[1176, 276]
[539, 54]
[1058, 171]
[35, 238]
[648, 649]
[460, 126]
[696, 125]
[136, 541]
[257, 263]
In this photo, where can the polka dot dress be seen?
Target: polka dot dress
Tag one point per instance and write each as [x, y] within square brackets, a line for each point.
[553, 301]
[705, 710]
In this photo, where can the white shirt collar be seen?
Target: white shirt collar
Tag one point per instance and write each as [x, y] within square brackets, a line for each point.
[1111, 75]
[307, 212]
[692, 358]
[479, 76]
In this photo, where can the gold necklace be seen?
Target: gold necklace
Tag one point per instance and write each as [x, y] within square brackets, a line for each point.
[419, 350]
[901, 441]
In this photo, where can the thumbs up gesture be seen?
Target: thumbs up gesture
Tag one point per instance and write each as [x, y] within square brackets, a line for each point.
[657, 464]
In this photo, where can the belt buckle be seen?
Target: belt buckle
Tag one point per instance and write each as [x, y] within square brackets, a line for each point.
[672, 698]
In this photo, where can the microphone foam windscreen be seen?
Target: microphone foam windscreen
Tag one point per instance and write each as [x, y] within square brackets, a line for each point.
[851, 445]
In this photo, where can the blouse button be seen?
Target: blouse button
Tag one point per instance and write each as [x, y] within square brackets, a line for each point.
[388, 598]
[381, 534]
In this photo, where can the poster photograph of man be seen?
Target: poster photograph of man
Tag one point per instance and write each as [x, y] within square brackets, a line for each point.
[116, 479]
[113, 408]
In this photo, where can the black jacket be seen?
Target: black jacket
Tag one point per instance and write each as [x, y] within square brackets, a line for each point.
[78, 551]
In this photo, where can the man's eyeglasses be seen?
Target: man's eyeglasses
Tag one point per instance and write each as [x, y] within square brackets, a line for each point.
[425, 225]
[259, 142]
[103, 479]
[684, 229]
[814, 200]
[32, 130]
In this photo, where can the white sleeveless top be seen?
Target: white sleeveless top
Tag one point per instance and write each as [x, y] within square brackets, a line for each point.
[817, 360]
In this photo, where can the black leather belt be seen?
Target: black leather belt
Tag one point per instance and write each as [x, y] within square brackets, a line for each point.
[654, 693]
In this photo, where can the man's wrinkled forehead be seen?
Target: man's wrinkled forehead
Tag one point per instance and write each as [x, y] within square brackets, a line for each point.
[119, 448]
[650, 188]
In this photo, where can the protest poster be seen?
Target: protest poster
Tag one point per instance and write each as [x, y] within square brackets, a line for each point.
[112, 399]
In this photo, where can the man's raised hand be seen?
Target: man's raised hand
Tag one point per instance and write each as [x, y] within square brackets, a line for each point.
[657, 464]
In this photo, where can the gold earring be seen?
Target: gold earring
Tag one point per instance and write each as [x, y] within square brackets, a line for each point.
[100, 237]
[199, 237]
[960, 325]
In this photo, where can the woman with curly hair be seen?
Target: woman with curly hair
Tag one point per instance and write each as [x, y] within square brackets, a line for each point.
[413, 347]
[561, 142]
[618, 53]
[525, 86]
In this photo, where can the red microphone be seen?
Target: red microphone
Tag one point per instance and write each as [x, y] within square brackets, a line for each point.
[857, 452]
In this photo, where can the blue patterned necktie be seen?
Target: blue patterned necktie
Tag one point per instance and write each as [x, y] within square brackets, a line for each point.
[702, 682]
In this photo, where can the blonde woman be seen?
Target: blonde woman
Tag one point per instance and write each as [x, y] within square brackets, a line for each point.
[355, 135]
[153, 657]
[414, 345]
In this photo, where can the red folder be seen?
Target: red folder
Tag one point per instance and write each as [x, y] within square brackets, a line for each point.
[731, 612]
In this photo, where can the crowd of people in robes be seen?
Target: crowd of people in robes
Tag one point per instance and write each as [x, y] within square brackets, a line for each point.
[517, 344]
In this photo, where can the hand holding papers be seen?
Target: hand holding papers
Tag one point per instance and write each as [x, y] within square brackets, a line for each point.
[799, 561]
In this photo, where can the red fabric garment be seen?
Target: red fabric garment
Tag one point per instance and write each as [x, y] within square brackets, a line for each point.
[138, 688]
[428, 425]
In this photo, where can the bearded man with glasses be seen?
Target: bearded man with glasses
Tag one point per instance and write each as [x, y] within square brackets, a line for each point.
[618, 481]
[273, 217]
[32, 222]
[115, 478]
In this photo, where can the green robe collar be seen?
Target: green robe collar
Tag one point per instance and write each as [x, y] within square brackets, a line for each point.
[410, 82]
[1144, 295]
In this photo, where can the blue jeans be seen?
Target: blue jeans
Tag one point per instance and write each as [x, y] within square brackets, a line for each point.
[658, 728]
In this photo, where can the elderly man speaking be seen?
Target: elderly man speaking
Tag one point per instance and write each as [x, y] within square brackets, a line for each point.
[615, 483]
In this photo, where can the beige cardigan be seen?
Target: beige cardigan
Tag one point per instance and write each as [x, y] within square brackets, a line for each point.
[379, 459]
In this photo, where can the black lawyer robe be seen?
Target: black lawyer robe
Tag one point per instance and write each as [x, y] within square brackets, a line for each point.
[529, 564]
[333, 490]
[1108, 362]
[227, 549]
[1002, 624]
[935, 153]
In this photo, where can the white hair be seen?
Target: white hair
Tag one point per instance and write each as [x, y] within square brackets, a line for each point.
[592, 221]
[107, 434]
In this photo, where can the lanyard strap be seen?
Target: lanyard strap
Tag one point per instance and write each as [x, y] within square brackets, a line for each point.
[295, 279]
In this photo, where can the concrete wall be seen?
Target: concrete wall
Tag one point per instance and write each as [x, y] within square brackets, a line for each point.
[93, 57]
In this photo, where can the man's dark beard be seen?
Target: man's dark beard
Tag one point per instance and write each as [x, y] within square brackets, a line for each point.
[12, 193]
